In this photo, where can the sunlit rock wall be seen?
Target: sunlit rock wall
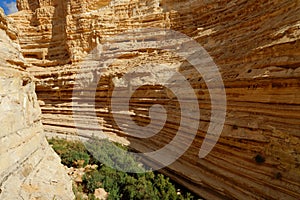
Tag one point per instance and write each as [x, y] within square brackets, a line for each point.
[29, 168]
[256, 46]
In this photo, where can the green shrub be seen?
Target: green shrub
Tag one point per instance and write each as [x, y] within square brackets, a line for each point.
[115, 155]
[120, 185]
[70, 152]
[92, 181]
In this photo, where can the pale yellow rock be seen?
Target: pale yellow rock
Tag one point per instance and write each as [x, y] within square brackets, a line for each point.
[29, 168]
[101, 194]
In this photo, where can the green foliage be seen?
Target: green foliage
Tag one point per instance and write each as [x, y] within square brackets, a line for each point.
[123, 186]
[115, 155]
[120, 185]
[92, 181]
[70, 152]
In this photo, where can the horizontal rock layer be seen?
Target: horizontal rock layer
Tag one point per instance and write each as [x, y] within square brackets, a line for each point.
[29, 168]
[255, 44]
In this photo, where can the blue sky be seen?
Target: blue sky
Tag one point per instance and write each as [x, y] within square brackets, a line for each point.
[9, 6]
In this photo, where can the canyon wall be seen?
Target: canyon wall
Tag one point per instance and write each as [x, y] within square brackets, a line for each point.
[29, 168]
[254, 43]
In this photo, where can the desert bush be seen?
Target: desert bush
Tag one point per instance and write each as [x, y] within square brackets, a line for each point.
[70, 152]
[120, 185]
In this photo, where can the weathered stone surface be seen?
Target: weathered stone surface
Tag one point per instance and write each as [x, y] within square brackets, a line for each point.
[101, 194]
[254, 43]
[29, 168]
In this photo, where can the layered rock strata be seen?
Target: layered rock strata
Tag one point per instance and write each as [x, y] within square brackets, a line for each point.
[29, 168]
[255, 44]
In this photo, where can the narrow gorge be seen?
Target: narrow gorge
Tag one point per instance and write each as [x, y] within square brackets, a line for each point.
[255, 45]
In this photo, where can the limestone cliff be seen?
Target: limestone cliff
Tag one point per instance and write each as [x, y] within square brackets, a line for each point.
[254, 43]
[29, 168]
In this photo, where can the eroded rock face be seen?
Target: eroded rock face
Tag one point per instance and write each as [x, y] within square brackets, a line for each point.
[29, 168]
[255, 44]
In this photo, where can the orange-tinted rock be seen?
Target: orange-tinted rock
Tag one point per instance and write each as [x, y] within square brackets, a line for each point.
[256, 46]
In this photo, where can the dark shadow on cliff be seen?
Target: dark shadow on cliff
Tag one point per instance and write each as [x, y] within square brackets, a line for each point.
[57, 49]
